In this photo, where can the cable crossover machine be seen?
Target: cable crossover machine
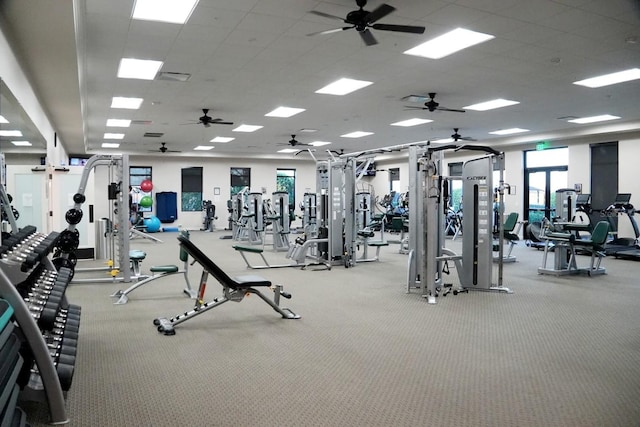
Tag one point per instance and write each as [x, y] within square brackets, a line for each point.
[429, 195]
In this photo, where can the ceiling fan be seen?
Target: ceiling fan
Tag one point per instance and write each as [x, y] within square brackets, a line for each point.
[457, 137]
[163, 149]
[207, 120]
[363, 20]
[430, 103]
[295, 143]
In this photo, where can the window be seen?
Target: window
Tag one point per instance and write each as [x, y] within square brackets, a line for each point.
[192, 189]
[137, 174]
[286, 181]
[240, 178]
[455, 186]
[394, 180]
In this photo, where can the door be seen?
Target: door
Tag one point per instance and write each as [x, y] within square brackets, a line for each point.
[542, 184]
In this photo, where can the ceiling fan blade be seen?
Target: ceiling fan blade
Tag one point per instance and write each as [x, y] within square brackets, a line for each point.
[413, 107]
[326, 15]
[335, 30]
[415, 98]
[399, 28]
[455, 110]
[379, 12]
[368, 38]
[220, 122]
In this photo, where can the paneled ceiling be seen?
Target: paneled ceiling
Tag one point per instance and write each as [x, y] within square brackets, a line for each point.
[246, 57]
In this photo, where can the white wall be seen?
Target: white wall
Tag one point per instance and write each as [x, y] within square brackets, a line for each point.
[628, 182]
[167, 177]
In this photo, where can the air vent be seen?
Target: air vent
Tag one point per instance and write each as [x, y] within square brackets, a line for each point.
[173, 77]
[153, 134]
[141, 122]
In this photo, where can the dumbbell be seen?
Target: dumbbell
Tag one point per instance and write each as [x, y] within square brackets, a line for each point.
[63, 344]
[64, 371]
[43, 312]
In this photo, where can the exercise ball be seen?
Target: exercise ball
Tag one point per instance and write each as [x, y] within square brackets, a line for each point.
[146, 186]
[152, 224]
[146, 201]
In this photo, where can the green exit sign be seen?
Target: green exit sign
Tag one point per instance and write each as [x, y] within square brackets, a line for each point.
[542, 145]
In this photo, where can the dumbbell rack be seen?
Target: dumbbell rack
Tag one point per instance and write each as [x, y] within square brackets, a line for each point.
[43, 319]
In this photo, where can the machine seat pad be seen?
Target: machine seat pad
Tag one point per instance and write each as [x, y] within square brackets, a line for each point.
[366, 233]
[374, 244]
[561, 236]
[164, 269]
[512, 237]
[137, 255]
[255, 250]
[250, 280]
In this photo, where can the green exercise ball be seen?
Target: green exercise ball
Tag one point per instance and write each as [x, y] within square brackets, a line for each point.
[146, 201]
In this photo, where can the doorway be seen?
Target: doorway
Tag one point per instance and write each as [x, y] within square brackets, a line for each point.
[545, 172]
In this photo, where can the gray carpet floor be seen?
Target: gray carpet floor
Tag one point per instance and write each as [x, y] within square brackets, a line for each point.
[559, 351]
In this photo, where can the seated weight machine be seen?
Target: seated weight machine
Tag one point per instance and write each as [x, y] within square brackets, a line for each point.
[209, 213]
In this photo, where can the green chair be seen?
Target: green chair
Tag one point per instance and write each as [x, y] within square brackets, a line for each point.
[595, 245]
[511, 231]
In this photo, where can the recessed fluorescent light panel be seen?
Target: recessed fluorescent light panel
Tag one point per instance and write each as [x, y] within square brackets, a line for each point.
[449, 43]
[118, 123]
[143, 69]
[247, 128]
[21, 143]
[172, 11]
[288, 150]
[284, 112]
[594, 119]
[343, 86]
[203, 147]
[114, 136]
[357, 134]
[441, 140]
[10, 133]
[411, 122]
[128, 103]
[222, 139]
[3, 120]
[611, 79]
[491, 105]
[510, 131]
[110, 145]
[319, 143]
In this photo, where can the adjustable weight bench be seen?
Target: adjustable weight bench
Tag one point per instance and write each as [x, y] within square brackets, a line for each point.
[234, 289]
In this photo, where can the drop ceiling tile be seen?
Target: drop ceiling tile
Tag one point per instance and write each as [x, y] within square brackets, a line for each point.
[454, 15]
[285, 8]
[207, 15]
[265, 23]
[537, 11]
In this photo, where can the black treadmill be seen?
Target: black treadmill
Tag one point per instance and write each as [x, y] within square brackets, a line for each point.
[623, 247]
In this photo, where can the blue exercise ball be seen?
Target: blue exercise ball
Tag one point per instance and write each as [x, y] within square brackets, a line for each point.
[152, 224]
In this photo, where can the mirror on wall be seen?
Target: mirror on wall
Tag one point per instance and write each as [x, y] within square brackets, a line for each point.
[18, 134]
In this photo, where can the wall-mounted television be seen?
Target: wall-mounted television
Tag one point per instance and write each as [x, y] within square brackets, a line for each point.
[371, 169]
[77, 161]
